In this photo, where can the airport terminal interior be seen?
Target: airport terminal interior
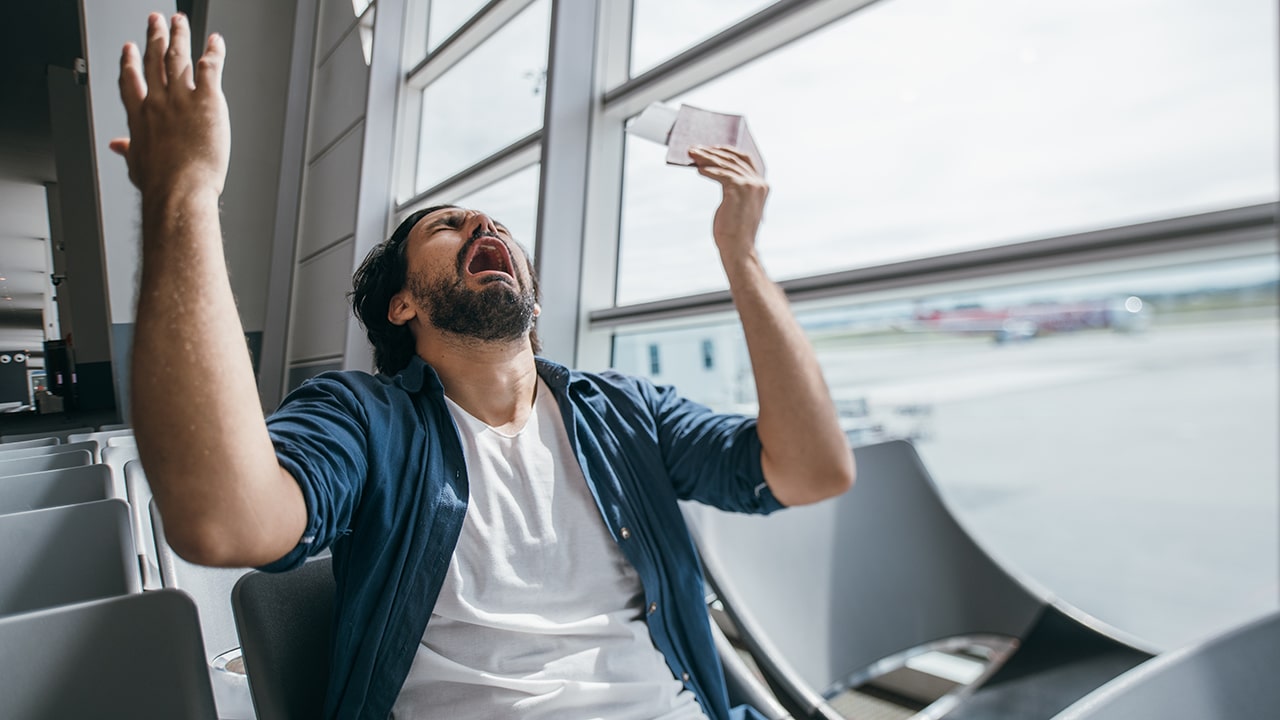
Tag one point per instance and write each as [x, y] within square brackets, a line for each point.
[1033, 245]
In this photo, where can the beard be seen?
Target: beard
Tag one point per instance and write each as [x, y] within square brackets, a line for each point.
[495, 312]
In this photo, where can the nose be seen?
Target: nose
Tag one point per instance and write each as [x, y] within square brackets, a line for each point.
[483, 225]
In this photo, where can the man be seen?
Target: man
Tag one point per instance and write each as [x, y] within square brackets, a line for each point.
[505, 532]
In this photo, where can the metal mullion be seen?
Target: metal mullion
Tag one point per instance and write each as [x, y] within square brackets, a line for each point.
[510, 159]
[604, 187]
[760, 34]
[473, 32]
[1255, 224]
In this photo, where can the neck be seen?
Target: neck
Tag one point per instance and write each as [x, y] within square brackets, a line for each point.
[494, 381]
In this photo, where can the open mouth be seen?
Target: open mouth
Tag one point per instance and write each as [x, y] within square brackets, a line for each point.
[489, 259]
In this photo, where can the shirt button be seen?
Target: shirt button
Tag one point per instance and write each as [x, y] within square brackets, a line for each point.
[653, 608]
[684, 677]
[625, 533]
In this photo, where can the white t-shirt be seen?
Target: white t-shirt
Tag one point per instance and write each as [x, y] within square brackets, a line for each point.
[540, 615]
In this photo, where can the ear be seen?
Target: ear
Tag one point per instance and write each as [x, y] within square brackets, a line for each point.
[537, 310]
[400, 310]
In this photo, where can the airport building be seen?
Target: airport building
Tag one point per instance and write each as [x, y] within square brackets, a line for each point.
[1034, 247]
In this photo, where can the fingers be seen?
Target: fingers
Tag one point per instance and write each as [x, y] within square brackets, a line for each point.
[153, 58]
[133, 89]
[724, 156]
[209, 67]
[177, 59]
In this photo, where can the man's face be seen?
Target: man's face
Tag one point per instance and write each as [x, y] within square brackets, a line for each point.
[470, 276]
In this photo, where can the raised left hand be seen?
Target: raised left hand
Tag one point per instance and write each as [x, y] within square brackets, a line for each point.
[744, 193]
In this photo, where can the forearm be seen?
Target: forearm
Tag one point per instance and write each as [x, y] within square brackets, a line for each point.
[806, 457]
[201, 433]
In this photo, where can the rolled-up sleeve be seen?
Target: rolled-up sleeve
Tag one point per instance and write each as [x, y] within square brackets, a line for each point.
[321, 436]
[711, 457]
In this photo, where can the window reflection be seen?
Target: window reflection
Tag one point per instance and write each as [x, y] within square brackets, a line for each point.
[921, 127]
[491, 98]
[512, 201]
[1112, 433]
[661, 29]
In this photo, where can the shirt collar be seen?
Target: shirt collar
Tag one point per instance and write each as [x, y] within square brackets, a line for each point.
[418, 375]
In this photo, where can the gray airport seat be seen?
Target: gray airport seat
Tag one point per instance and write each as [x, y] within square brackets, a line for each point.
[40, 463]
[53, 488]
[115, 458]
[65, 555]
[114, 426]
[136, 656]
[833, 595]
[7, 454]
[285, 622]
[138, 491]
[33, 442]
[210, 588]
[1229, 677]
[60, 434]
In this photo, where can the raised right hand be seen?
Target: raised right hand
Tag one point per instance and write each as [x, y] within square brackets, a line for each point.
[179, 128]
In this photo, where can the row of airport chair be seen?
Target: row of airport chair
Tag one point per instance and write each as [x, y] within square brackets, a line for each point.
[80, 557]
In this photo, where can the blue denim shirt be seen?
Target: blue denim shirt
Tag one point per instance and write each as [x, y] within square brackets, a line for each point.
[381, 467]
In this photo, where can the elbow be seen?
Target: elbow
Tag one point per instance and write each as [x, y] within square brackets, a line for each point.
[816, 482]
[846, 475]
[201, 544]
[839, 477]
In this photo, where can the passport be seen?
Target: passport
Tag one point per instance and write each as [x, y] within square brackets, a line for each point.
[681, 129]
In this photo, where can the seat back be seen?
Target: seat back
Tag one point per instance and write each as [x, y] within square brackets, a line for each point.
[40, 463]
[136, 656]
[285, 623]
[25, 452]
[1232, 676]
[830, 589]
[61, 434]
[53, 488]
[66, 554]
[33, 442]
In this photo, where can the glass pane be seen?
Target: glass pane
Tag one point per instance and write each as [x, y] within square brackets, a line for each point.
[446, 16]
[512, 201]
[1112, 433]
[491, 98]
[920, 127]
[661, 29]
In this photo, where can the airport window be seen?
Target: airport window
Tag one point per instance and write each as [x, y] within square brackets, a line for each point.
[1064, 416]
[488, 100]
[512, 201]
[914, 128]
[661, 29]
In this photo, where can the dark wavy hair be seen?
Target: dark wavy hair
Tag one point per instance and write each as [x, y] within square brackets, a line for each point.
[383, 274]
